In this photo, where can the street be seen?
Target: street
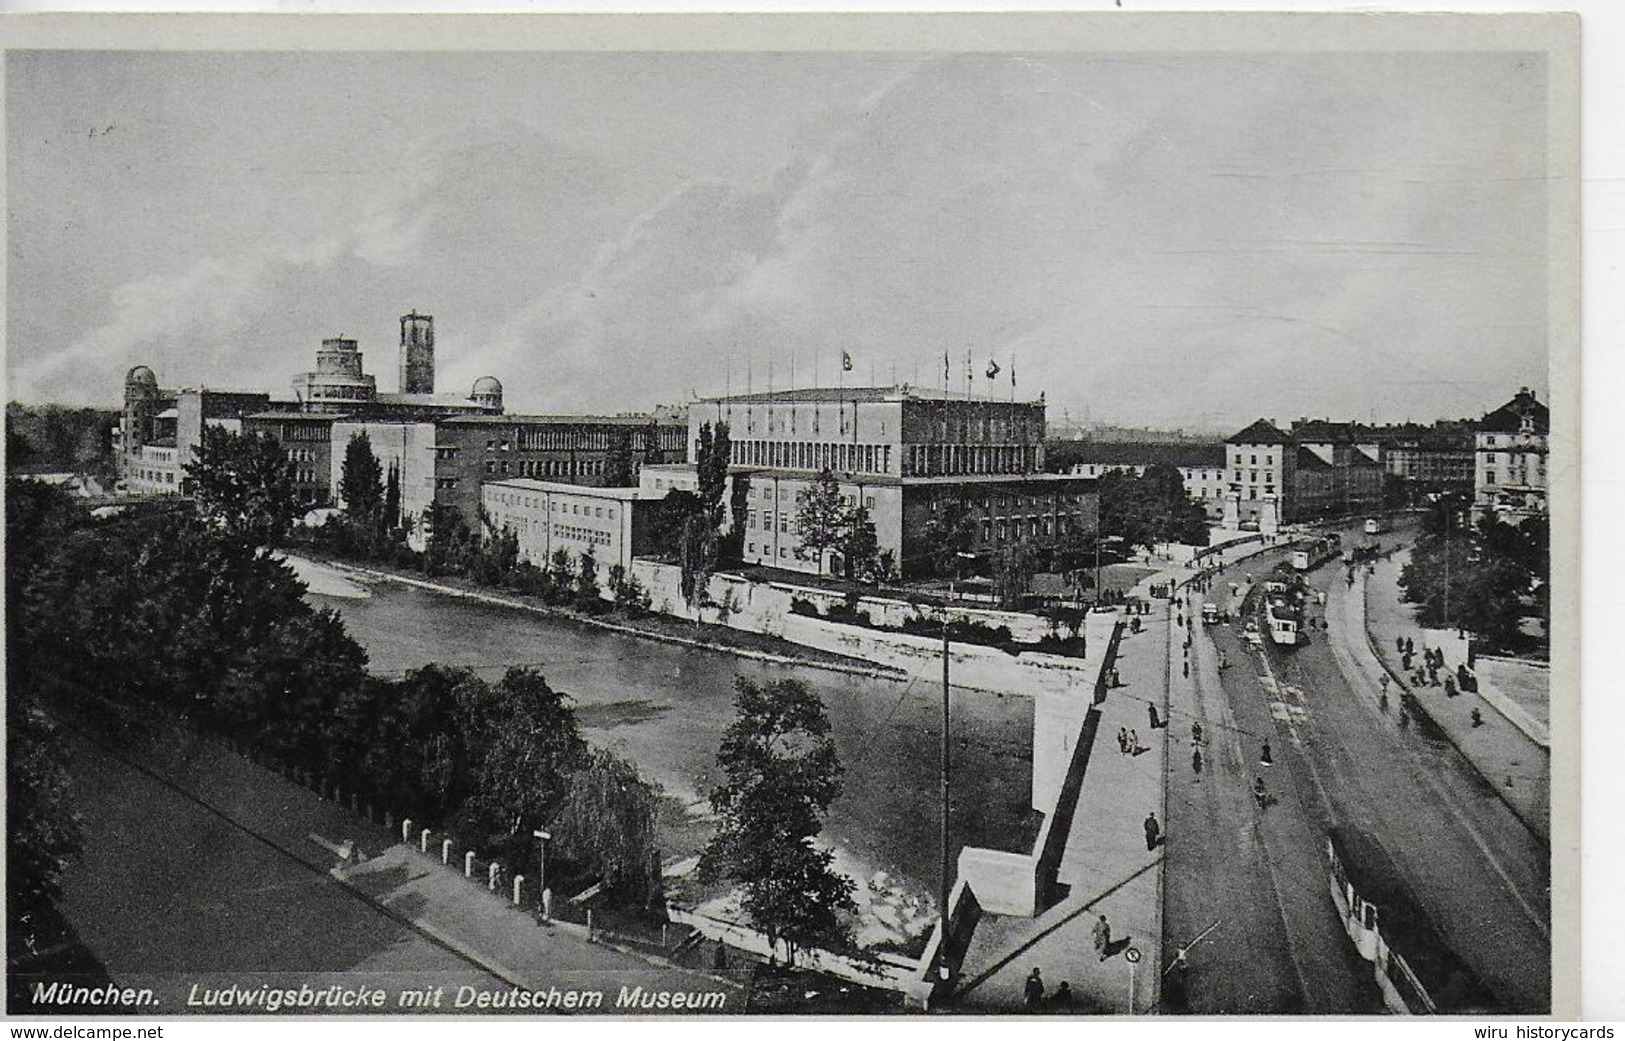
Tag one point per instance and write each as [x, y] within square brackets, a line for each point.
[1338, 759]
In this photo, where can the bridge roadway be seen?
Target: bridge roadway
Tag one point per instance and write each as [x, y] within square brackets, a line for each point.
[1338, 758]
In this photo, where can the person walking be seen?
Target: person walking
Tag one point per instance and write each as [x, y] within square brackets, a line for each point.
[1122, 740]
[1103, 936]
[1153, 831]
[1264, 756]
[1063, 996]
[1196, 760]
[1151, 710]
[1034, 989]
[1134, 742]
[1196, 732]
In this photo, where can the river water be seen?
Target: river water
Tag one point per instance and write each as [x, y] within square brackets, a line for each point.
[665, 707]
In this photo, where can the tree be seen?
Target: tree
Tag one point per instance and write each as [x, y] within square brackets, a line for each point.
[452, 549]
[42, 827]
[361, 480]
[699, 543]
[391, 517]
[607, 827]
[587, 581]
[780, 774]
[618, 469]
[243, 486]
[1013, 567]
[823, 519]
[860, 550]
[946, 536]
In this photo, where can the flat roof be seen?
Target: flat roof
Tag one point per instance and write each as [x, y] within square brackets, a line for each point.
[320, 417]
[530, 484]
[901, 392]
[517, 420]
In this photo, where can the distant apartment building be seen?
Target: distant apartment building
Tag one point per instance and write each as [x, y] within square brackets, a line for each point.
[1510, 454]
[1200, 466]
[906, 455]
[1320, 470]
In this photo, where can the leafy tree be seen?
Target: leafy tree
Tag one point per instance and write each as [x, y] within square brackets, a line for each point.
[781, 773]
[560, 573]
[587, 581]
[532, 746]
[1013, 567]
[243, 485]
[361, 479]
[700, 530]
[42, 826]
[607, 827]
[1149, 508]
[860, 550]
[949, 533]
[823, 519]
[618, 469]
[452, 549]
[1491, 576]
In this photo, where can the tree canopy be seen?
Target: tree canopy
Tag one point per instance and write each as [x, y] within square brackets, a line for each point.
[243, 485]
[780, 774]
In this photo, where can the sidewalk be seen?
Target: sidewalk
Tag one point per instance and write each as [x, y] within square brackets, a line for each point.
[1106, 866]
[485, 928]
[1500, 749]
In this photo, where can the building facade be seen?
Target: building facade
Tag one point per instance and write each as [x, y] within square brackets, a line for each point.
[1201, 466]
[404, 445]
[547, 516]
[595, 451]
[902, 454]
[1510, 457]
[161, 429]
[307, 438]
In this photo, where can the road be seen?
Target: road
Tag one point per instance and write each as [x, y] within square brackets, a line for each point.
[177, 888]
[1480, 874]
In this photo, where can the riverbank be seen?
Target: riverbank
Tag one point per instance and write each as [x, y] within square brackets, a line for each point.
[333, 577]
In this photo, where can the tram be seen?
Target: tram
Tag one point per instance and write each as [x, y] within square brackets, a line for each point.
[1414, 969]
[1309, 554]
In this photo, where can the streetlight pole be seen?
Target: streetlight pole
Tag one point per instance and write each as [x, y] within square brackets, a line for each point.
[945, 890]
[541, 866]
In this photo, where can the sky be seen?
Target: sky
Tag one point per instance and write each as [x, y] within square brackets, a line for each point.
[1164, 240]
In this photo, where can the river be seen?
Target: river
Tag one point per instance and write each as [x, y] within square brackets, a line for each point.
[665, 707]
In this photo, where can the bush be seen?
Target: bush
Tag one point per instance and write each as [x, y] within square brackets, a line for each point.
[804, 607]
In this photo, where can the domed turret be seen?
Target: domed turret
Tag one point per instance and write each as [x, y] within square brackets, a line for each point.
[141, 376]
[488, 393]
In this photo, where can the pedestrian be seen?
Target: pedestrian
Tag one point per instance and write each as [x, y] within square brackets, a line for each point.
[1196, 760]
[1410, 648]
[1103, 936]
[1122, 740]
[1153, 831]
[1034, 989]
[1449, 687]
[1478, 718]
[1264, 756]
[1063, 995]
[1134, 742]
[1399, 644]
[1151, 710]
[1196, 733]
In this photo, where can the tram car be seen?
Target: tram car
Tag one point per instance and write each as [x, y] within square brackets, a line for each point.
[1414, 969]
[1309, 554]
[1285, 597]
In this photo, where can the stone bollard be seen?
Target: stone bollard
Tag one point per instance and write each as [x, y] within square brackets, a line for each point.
[423, 840]
[445, 851]
[491, 874]
[518, 888]
[468, 864]
[406, 829]
[547, 903]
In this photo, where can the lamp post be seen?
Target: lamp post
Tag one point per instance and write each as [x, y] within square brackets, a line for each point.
[541, 863]
[947, 861]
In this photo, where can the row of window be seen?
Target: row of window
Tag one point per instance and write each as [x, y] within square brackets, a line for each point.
[947, 460]
[1022, 502]
[519, 499]
[810, 455]
[301, 455]
[540, 468]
